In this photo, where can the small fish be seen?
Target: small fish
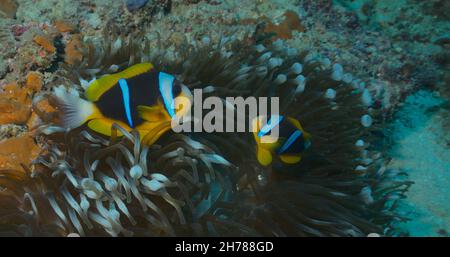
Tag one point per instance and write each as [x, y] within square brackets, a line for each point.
[139, 97]
[289, 145]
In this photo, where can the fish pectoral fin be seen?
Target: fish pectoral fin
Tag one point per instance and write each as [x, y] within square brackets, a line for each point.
[153, 113]
[103, 126]
[264, 156]
[149, 137]
[290, 159]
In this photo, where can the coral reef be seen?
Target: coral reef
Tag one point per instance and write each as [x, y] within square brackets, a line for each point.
[422, 118]
[17, 153]
[8, 8]
[15, 104]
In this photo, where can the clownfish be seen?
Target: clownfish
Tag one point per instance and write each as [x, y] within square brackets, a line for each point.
[288, 144]
[139, 97]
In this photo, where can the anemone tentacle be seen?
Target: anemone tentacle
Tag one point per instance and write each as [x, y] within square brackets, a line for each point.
[212, 184]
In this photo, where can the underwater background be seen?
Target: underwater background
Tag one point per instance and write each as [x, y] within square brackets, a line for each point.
[394, 53]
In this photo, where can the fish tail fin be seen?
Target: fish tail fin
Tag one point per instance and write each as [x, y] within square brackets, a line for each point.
[75, 110]
[290, 159]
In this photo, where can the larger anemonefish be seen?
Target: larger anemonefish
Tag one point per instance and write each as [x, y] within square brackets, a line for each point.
[139, 97]
[288, 143]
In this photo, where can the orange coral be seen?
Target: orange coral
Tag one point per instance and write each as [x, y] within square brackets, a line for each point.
[73, 50]
[34, 82]
[18, 151]
[63, 26]
[15, 104]
[34, 121]
[13, 112]
[45, 111]
[283, 30]
[46, 43]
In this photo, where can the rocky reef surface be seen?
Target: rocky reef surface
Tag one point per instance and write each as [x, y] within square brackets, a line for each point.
[421, 147]
[395, 47]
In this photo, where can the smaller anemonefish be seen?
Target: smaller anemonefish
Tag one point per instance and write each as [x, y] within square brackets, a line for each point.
[288, 145]
[139, 97]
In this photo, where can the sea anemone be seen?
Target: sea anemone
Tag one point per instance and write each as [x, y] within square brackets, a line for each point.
[206, 184]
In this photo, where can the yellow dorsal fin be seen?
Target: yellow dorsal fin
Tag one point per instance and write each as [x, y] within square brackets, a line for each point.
[297, 124]
[290, 159]
[135, 70]
[99, 87]
[103, 84]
